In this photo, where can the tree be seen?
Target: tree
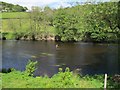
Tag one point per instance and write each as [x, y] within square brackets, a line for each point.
[102, 22]
[66, 26]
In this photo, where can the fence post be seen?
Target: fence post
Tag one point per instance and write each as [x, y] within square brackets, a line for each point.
[105, 81]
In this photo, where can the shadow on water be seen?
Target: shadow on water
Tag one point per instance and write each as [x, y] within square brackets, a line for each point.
[87, 58]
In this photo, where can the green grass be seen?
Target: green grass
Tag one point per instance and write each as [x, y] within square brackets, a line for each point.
[14, 15]
[23, 27]
[17, 22]
[12, 78]
[13, 25]
[10, 36]
[17, 79]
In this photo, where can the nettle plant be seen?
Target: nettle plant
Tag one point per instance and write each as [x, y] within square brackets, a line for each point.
[30, 67]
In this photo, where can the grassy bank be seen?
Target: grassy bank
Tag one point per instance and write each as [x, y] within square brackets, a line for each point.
[12, 78]
[66, 79]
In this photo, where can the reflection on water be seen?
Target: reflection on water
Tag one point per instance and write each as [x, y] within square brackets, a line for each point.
[89, 58]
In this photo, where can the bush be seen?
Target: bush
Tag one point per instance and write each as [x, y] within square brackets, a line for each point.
[10, 36]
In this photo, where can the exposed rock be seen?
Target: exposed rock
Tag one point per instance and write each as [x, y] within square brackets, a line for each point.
[116, 78]
[3, 38]
[57, 38]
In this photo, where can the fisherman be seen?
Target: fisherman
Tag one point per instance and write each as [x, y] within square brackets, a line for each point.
[56, 46]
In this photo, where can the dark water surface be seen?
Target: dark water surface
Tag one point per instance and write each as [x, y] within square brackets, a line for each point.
[89, 58]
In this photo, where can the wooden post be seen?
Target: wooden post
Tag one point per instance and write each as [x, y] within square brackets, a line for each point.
[105, 81]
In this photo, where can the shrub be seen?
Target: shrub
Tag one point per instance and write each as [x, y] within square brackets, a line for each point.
[30, 67]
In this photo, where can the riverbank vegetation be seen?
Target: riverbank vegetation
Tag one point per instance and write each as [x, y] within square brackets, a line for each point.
[88, 22]
[63, 79]
[17, 79]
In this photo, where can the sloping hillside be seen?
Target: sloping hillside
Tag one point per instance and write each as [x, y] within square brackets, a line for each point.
[8, 7]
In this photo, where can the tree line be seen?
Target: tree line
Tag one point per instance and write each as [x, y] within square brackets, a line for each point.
[95, 22]
[90, 22]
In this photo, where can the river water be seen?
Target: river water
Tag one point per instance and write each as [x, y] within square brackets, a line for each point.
[87, 58]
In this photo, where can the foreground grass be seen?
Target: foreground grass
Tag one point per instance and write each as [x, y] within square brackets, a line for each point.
[17, 79]
[67, 79]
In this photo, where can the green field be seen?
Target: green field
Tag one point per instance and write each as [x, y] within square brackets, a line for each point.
[14, 15]
[19, 23]
[15, 25]
[14, 21]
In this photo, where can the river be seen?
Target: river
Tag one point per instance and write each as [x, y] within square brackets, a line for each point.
[87, 58]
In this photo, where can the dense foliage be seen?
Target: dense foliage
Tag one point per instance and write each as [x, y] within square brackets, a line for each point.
[89, 22]
[7, 7]
[103, 22]
[66, 25]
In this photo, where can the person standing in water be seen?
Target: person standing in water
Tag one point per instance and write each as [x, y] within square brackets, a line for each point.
[56, 45]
